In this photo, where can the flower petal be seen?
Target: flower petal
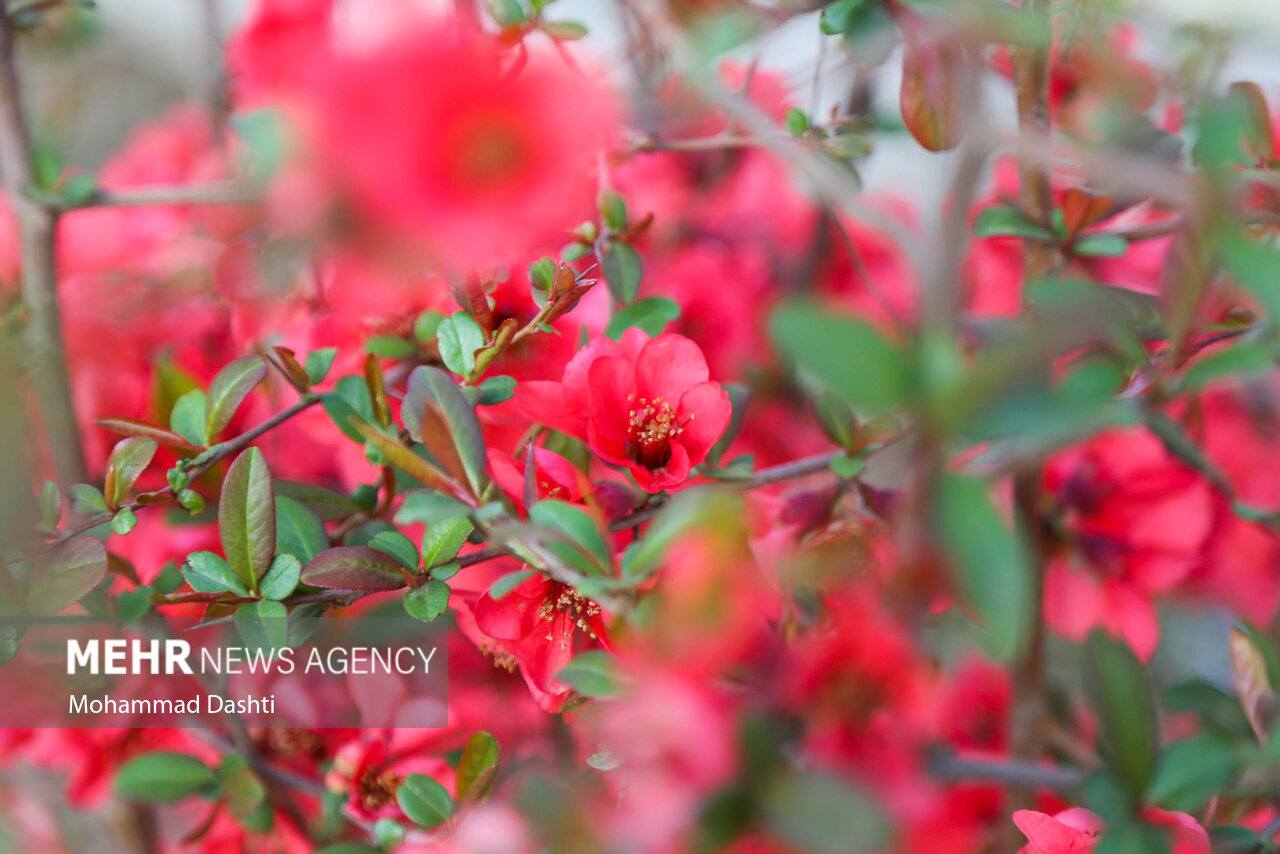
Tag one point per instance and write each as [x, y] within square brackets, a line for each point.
[611, 388]
[668, 366]
[703, 415]
[545, 403]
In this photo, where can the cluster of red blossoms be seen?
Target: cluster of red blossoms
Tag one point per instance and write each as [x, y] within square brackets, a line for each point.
[843, 584]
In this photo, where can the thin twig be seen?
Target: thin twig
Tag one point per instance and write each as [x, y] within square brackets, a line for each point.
[223, 451]
[36, 228]
[216, 193]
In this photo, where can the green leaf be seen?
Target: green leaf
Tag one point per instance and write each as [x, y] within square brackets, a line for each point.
[86, 500]
[263, 625]
[459, 337]
[820, 813]
[1122, 698]
[124, 521]
[399, 547]
[477, 769]
[1101, 246]
[565, 31]
[46, 165]
[281, 578]
[797, 122]
[650, 315]
[129, 459]
[424, 801]
[299, 532]
[593, 673]
[188, 418]
[1240, 360]
[354, 568]
[67, 572]
[1133, 837]
[208, 573]
[1256, 265]
[441, 541]
[428, 601]
[388, 833]
[324, 503]
[247, 517]
[432, 388]
[613, 210]
[497, 389]
[580, 528]
[835, 417]
[839, 16]
[623, 270]
[508, 13]
[1190, 772]
[1005, 221]
[50, 504]
[229, 389]
[164, 777]
[989, 560]
[848, 146]
[349, 401]
[241, 788]
[542, 274]
[318, 362]
[423, 506]
[846, 354]
[266, 143]
[390, 347]
[506, 583]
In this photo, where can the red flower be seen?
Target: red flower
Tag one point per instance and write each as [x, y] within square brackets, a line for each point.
[650, 408]
[539, 627]
[1076, 831]
[1139, 520]
[433, 136]
[370, 772]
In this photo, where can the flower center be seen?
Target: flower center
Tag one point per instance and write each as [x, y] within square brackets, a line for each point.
[653, 425]
[377, 789]
[579, 609]
[491, 153]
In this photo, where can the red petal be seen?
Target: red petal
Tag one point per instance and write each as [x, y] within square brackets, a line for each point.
[674, 473]
[703, 415]
[545, 403]
[1047, 835]
[611, 389]
[667, 367]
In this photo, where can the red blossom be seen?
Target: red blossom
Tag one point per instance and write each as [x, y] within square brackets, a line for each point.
[650, 408]
[499, 155]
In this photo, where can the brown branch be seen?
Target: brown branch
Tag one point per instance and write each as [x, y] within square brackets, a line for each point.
[215, 193]
[37, 228]
[1031, 78]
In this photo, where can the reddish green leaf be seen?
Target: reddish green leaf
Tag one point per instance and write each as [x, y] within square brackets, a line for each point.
[247, 517]
[934, 72]
[69, 571]
[354, 568]
[229, 389]
[129, 458]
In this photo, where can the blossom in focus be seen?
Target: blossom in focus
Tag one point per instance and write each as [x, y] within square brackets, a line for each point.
[538, 627]
[649, 407]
